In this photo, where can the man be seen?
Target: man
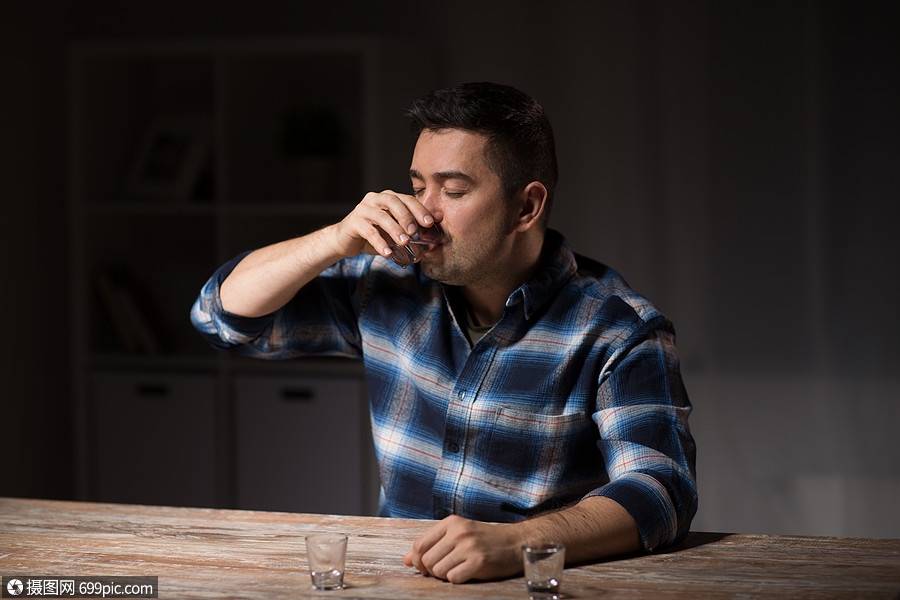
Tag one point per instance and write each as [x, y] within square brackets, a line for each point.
[518, 392]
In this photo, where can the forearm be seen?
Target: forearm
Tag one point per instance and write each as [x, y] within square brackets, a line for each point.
[594, 528]
[459, 549]
[265, 280]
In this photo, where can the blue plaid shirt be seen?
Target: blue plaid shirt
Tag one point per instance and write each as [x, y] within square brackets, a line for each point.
[575, 392]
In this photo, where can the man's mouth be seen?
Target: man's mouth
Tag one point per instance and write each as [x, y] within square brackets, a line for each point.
[433, 236]
[422, 243]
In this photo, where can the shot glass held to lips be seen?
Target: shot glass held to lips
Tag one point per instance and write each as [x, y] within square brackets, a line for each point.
[413, 251]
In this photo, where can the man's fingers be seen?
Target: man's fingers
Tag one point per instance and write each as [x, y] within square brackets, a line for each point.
[403, 209]
[414, 215]
[424, 544]
[381, 219]
[458, 550]
[437, 553]
[442, 561]
[465, 569]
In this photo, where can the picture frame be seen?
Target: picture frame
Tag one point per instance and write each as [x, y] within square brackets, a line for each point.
[170, 159]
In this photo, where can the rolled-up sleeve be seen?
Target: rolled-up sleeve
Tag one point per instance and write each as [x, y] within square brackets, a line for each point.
[314, 322]
[645, 440]
[219, 327]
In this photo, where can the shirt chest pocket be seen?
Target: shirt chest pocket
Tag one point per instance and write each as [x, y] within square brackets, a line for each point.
[528, 453]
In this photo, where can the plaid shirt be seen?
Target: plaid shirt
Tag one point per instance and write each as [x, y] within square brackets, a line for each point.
[575, 392]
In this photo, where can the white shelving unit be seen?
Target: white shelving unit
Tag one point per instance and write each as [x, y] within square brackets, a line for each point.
[183, 154]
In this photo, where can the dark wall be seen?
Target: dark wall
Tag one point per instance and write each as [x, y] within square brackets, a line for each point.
[738, 161]
[34, 38]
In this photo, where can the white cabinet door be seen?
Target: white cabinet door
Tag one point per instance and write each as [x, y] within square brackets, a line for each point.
[153, 438]
[301, 444]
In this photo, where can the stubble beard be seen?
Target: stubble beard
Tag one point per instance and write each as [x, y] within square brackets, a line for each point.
[470, 263]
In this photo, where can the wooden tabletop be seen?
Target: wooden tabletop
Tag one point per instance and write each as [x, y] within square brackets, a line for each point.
[211, 553]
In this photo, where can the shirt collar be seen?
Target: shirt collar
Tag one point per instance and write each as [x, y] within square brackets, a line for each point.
[558, 265]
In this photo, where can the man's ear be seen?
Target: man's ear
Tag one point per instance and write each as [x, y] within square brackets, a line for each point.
[533, 200]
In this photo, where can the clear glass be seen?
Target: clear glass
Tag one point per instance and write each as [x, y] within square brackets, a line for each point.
[421, 242]
[544, 564]
[327, 553]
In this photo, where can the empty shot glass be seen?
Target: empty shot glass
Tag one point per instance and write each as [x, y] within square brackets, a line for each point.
[544, 565]
[413, 251]
[326, 553]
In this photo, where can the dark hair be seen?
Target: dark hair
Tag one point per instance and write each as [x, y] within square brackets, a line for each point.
[520, 147]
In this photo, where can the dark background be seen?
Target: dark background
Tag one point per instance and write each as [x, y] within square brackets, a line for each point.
[737, 161]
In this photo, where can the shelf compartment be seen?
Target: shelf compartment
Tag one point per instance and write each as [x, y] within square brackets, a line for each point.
[302, 98]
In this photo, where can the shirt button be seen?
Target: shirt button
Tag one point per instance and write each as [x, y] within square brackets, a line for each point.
[462, 394]
[454, 448]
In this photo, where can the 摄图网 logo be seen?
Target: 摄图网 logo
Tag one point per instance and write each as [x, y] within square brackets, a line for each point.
[14, 587]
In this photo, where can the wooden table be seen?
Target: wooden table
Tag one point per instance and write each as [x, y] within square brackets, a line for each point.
[211, 553]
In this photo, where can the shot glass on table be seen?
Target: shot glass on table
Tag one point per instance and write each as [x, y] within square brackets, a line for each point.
[327, 553]
[544, 564]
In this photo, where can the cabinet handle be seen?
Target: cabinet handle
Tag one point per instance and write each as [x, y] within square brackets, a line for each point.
[297, 395]
[156, 390]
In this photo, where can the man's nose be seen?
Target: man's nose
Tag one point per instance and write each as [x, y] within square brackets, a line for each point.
[430, 199]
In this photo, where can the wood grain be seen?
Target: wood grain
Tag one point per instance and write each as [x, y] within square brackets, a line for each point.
[211, 553]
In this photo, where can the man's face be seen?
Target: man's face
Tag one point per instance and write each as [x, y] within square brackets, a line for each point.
[451, 179]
